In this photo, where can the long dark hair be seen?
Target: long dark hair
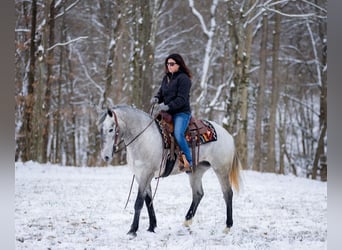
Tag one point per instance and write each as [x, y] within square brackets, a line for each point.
[179, 60]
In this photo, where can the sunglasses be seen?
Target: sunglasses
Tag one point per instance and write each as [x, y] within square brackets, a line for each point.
[171, 64]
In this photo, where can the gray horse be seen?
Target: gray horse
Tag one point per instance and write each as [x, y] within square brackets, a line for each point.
[145, 152]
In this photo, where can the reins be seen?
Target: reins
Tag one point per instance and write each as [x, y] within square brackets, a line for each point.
[117, 132]
[155, 190]
[130, 191]
[160, 167]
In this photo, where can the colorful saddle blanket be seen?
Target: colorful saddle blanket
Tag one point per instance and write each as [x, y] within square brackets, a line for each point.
[198, 131]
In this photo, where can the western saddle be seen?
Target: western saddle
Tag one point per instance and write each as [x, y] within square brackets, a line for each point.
[198, 132]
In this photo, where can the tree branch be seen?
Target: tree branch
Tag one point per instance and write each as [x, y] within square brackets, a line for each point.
[68, 42]
[199, 17]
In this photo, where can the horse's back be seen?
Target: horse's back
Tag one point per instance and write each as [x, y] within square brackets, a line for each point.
[224, 138]
[221, 152]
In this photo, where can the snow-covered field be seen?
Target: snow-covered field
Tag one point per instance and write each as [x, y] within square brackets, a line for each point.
[59, 207]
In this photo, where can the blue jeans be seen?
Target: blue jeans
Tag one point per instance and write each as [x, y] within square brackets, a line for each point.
[181, 122]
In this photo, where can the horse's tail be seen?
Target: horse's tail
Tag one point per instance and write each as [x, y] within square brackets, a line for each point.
[234, 173]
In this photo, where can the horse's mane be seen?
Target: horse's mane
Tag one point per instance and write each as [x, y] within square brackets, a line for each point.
[131, 108]
[122, 107]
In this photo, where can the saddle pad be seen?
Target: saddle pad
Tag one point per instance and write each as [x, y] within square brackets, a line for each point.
[206, 135]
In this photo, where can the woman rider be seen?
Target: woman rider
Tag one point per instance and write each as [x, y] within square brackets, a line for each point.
[174, 97]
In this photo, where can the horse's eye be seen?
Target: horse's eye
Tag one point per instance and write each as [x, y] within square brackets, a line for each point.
[111, 130]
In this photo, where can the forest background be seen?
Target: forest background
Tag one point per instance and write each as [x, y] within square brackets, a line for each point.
[259, 68]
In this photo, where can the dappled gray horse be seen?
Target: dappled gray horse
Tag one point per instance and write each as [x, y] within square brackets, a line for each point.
[145, 152]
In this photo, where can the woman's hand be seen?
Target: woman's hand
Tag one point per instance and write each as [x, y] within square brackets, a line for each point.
[154, 100]
[162, 107]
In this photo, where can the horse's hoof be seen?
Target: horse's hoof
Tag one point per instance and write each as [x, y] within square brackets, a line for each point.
[187, 223]
[151, 230]
[132, 234]
[226, 230]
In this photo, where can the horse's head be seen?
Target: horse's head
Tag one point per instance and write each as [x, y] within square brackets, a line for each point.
[109, 134]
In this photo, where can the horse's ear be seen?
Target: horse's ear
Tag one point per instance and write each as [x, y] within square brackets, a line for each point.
[109, 112]
[101, 118]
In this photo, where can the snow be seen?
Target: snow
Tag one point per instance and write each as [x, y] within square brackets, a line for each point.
[59, 207]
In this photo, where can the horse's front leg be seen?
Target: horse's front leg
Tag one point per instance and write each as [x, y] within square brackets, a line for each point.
[150, 210]
[144, 194]
[139, 202]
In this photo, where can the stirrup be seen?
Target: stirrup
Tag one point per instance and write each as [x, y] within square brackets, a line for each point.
[184, 165]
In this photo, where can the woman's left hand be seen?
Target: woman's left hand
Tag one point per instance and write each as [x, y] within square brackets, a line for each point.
[163, 107]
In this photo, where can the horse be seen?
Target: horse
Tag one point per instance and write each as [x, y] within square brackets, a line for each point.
[144, 148]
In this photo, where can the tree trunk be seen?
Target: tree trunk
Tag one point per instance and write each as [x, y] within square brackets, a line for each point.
[112, 41]
[282, 143]
[70, 140]
[143, 58]
[26, 129]
[258, 143]
[324, 168]
[320, 152]
[56, 146]
[22, 59]
[49, 81]
[39, 115]
[237, 108]
[271, 158]
[92, 149]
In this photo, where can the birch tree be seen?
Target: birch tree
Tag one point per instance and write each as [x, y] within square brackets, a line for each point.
[49, 36]
[209, 31]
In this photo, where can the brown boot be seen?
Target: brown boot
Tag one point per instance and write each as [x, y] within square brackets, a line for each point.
[184, 165]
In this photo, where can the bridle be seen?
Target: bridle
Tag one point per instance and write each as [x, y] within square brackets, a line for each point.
[116, 133]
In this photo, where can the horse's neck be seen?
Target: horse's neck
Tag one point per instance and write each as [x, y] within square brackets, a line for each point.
[132, 122]
[142, 136]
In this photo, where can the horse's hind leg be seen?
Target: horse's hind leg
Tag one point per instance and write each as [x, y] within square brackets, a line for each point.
[150, 210]
[228, 198]
[197, 193]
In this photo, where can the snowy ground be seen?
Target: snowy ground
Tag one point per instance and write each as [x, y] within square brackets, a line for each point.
[83, 208]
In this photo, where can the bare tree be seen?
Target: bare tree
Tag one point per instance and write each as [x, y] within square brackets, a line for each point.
[320, 56]
[145, 15]
[260, 107]
[26, 130]
[271, 152]
[209, 32]
[241, 33]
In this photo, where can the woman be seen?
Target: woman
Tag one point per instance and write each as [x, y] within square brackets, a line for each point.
[174, 97]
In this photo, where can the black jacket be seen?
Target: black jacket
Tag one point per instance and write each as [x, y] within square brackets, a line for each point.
[175, 92]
